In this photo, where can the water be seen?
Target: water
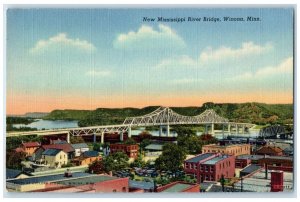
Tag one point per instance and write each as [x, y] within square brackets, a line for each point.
[48, 124]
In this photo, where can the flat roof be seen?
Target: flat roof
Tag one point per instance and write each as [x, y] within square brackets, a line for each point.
[141, 185]
[257, 157]
[86, 180]
[157, 147]
[224, 146]
[177, 187]
[199, 158]
[47, 178]
[213, 161]
[251, 168]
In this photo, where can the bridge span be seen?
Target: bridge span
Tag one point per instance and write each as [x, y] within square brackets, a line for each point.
[162, 116]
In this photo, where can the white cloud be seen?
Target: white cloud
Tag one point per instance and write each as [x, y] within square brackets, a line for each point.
[62, 39]
[285, 67]
[223, 53]
[146, 38]
[94, 73]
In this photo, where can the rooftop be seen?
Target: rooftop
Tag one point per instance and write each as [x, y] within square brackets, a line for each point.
[257, 157]
[178, 187]
[47, 178]
[31, 144]
[80, 145]
[157, 147]
[225, 146]
[86, 180]
[250, 169]
[141, 185]
[66, 147]
[12, 173]
[51, 152]
[90, 154]
[199, 158]
[215, 160]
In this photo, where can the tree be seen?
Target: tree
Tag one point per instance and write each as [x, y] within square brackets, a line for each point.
[130, 141]
[116, 161]
[76, 140]
[138, 162]
[97, 167]
[144, 144]
[171, 159]
[14, 159]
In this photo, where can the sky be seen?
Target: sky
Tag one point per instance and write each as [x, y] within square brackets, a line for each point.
[91, 58]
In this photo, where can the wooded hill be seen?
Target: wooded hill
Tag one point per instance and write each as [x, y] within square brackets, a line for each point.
[257, 113]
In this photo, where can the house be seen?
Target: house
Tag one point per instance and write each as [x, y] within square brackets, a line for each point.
[130, 150]
[28, 147]
[87, 158]
[211, 166]
[67, 148]
[154, 149]
[14, 174]
[80, 148]
[235, 149]
[270, 150]
[55, 157]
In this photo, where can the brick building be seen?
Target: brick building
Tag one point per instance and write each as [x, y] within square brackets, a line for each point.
[130, 150]
[236, 149]
[211, 166]
[270, 150]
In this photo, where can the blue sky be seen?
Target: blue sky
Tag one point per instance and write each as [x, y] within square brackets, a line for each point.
[89, 58]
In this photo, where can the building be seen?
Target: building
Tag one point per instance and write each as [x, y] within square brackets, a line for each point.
[178, 186]
[236, 149]
[270, 150]
[40, 182]
[55, 157]
[67, 148]
[28, 147]
[284, 163]
[211, 166]
[153, 150]
[130, 150]
[87, 158]
[80, 148]
[258, 182]
[15, 174]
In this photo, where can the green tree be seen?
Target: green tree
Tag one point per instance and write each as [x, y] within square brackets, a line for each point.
[14, 159]
[138, 162]
[97, 167]
[171, 159]
[144, 143]
[130, 141]
[116, 161]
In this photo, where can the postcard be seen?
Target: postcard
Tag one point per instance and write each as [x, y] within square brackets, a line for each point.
[150, 100]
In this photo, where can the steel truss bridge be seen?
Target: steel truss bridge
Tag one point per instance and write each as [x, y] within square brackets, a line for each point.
[163, 117]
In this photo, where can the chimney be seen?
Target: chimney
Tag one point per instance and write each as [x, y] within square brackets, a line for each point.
[276, 181]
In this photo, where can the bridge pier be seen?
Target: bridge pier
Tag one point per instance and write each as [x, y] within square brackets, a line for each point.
[121, 136]
[168, 131]
[212, 128]
[206, 128]
[160, 131]
[236, 129]
[129, 131]
[243, 129]
[68, 138]
[94, 137]
[102, 137]
[229, 128]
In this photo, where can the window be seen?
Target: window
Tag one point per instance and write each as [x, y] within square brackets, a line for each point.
[124, 189]
[195, 166]
[114, 190]
[206, 168]
[201, 168]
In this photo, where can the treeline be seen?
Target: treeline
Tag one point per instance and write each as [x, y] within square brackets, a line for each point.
[257, 113]
[19, 120]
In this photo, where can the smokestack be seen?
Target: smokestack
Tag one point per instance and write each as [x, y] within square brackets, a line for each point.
[266, 171]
